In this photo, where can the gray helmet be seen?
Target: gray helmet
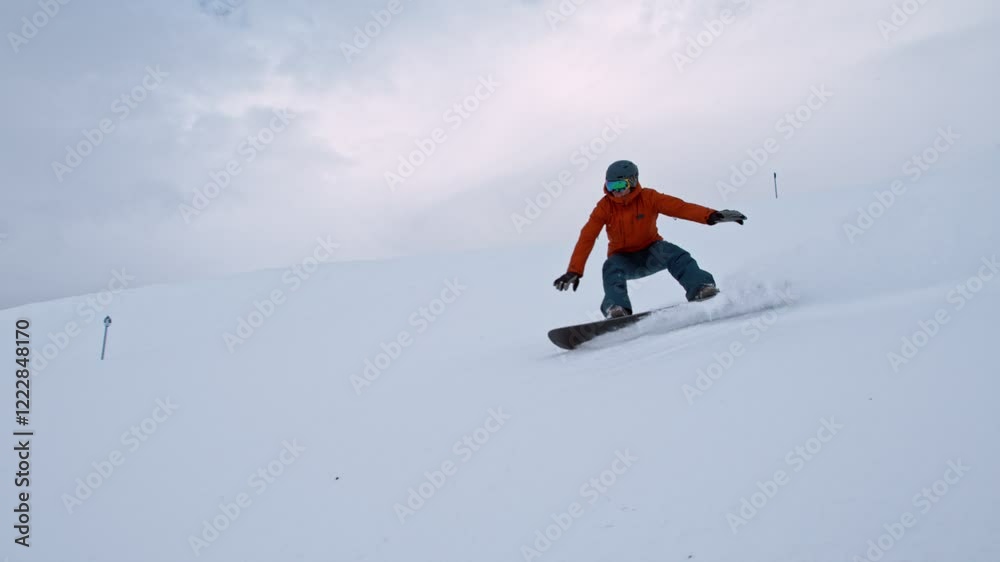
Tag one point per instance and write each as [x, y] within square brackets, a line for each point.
[620, 170]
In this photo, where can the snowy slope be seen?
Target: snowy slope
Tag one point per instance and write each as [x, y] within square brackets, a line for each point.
[784, 434]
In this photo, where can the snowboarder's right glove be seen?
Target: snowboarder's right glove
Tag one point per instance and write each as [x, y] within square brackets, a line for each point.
[566, 280]
[726, 216]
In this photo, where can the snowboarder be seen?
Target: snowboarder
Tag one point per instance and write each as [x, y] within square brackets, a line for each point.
[629, 212]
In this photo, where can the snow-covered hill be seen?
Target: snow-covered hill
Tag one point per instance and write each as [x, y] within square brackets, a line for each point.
[413, 410]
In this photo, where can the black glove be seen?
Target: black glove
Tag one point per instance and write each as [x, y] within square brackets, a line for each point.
[566, 280]
[726, 216]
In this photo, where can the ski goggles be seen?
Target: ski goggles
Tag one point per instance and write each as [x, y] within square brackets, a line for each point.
[618, 185]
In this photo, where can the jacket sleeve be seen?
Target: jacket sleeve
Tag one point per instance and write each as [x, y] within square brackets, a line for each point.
[588, 235]
[675, 207]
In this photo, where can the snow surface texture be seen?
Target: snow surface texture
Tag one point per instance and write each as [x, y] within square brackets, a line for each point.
[413, 410]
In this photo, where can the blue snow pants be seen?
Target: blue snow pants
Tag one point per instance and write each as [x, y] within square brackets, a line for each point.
[656, 257]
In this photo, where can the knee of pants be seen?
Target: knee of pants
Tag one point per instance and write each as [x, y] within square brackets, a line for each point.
[679, 256]
[613, 267]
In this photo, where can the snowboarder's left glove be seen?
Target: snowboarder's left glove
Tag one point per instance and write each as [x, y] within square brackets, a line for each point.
[726, 216]
[566, 280]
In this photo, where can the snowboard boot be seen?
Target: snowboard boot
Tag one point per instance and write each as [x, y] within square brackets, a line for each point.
[617, 311]
[704, 292]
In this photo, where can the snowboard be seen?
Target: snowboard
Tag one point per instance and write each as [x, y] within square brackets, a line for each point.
[570, 337]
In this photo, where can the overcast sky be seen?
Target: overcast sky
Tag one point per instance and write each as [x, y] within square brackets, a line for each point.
[312, 116]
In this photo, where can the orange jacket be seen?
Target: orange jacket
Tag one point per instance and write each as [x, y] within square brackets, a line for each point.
[631, 222]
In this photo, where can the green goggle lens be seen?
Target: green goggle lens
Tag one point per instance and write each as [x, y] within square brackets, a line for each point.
[618, 185]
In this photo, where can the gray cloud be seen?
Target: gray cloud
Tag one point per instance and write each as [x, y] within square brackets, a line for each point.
[230, 65]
